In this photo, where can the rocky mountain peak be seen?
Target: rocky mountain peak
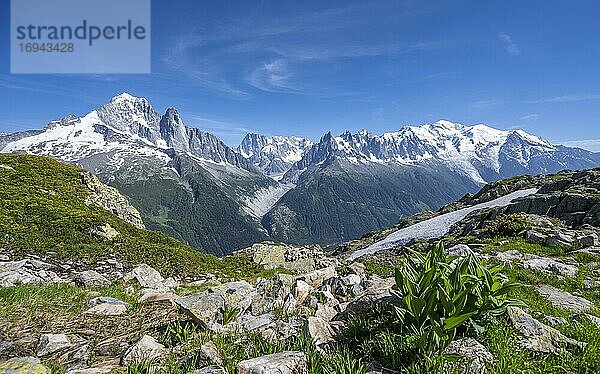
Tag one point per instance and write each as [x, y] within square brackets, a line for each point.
[274, 155]
[173, 132]
[131, 114]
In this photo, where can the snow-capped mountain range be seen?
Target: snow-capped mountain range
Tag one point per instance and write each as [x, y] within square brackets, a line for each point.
[479, 152]
[273, 155]
[191, 185]
[124, 127]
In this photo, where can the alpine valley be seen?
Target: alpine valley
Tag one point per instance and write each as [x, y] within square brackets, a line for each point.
[190, 185]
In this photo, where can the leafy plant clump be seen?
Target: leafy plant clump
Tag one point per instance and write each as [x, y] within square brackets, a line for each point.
[438, 294]
[507, 225]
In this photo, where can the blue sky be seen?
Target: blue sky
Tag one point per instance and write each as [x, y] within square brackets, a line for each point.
[306, 67]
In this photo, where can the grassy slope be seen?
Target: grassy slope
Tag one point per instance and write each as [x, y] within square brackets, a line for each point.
[42, 210]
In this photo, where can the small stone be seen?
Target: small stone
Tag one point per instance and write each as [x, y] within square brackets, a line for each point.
[147, 348]
[106, 232]
[204, 307]
[51, 343]
[107, 300]
[250, 322]
[559, 239]
[96, 370]
[325, 312]
[287, 362]
[591, 318]
[214, 369]
[351, 280]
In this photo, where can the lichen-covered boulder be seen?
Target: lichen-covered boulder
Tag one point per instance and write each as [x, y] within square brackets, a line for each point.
[23, 365]
[288, 362]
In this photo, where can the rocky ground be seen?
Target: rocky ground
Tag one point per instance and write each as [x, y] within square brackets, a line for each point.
[316, 312]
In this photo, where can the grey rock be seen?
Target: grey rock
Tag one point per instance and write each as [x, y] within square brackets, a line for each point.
[590, 318]
[78, 358]
[107, 309]
[51, 343]
[514, 255]
[351, 280]
[23, 365]
[302, 291]
[319, 331]
[210, 353]
[103, 368]
[278, 255]
[147, 348]
[250, 322]
[589, 240]
[476, 355]
[558, 238]
[537, 237]
[377, 293]
[288, 362]
[317, 277]
[204, 307]
[554, 321]
[565, 300]
[325, 312]
[550, 266]
[460, 250]
[5, 347]
[148, 277]
[27, 271]
[91, 279]
[156, 297]
[111, 200]
[537, 336]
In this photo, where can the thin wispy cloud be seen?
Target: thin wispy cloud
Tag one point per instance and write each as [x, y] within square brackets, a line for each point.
[530, 117]
[273, 77]
[271, 53]
[509, 45]
[486, 104]
[566, 99]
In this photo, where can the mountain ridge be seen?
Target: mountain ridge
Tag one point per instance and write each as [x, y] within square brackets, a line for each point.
[189, 184]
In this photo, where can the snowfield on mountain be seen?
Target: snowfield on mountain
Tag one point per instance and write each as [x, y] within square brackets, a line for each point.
[436, 227]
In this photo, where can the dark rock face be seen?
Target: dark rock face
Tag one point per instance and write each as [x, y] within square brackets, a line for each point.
[571, 197]
[574, 198]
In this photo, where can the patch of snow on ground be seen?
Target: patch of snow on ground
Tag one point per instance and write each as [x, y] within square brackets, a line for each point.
[436, 227]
